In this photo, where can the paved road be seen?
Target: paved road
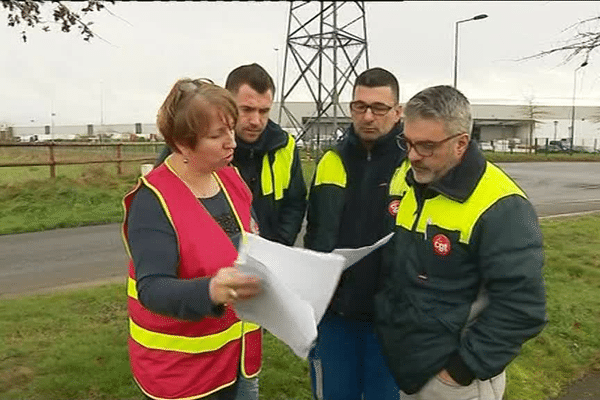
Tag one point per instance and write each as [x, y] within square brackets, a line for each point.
[558, 187]
[42, 261]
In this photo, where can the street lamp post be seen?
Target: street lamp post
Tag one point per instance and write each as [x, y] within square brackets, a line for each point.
[52, 115]
[277, 83]
[101, 111]
[276, 49]
[573, 108]
[475, 18]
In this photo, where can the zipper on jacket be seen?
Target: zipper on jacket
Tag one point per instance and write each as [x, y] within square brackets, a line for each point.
[271, 162]
[426, 225]
[368, 155]
[420, 204]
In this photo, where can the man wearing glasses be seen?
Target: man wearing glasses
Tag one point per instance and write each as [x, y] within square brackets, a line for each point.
[347, 209]
[465, 287]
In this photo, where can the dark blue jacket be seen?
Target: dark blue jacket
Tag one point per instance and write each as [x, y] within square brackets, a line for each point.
[468, 237]
[352, 213]
[280, 214]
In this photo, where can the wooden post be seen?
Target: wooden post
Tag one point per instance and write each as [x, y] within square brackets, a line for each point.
[52, 161]
[119, 166]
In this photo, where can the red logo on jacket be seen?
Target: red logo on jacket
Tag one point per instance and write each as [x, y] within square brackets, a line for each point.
[441, 245]
[393, 207]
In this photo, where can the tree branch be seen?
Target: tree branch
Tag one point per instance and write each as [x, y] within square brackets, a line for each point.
[28, 12]
[583, 42]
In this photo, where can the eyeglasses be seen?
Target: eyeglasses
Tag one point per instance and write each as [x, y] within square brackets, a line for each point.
[187, 84]
[423, 148]
[379, 109]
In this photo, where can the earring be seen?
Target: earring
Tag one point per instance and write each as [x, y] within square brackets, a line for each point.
[185, 161]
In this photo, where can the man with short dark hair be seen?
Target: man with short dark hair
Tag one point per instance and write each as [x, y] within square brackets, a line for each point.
[465, 288]
[266, 156]
[347, 209]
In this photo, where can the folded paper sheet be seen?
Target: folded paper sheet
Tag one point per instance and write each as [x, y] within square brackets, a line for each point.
[297, 285]
[352, 256]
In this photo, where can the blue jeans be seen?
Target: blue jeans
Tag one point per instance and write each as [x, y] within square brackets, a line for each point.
[247, 388]
[346, 362]
[244, 389]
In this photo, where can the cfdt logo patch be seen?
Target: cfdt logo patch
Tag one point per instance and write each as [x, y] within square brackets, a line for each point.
[393, 207]
[441, 245]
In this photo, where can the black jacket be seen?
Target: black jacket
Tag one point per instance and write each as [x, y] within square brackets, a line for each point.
[351, 214]
[279, 219]
[471, 236]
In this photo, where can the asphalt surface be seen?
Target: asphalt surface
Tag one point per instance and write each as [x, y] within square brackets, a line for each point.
[62, 259]
[65, 258]
[558, 187]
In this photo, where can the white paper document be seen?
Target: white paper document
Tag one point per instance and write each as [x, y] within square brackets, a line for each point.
[297, 286]
[352, 256]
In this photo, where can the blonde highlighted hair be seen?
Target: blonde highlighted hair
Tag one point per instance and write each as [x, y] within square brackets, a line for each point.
[185, 114]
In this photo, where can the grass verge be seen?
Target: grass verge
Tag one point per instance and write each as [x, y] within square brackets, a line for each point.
[540, 157]
[79, 196]
[90, 197]
[72, 345]
[569, 345]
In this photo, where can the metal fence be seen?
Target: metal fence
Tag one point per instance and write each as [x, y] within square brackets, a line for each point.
[95, 154]
[547, 145]
[540, 145]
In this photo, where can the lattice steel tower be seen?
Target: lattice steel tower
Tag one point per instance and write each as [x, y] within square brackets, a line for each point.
[326, 49]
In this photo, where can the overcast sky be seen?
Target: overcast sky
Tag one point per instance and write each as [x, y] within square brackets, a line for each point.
[123, 75]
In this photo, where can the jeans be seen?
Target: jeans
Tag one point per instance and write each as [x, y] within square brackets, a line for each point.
[346, 362]
[229, 393]
[247, 388]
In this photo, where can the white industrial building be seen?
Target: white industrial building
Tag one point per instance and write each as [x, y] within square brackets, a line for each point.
[493, 123]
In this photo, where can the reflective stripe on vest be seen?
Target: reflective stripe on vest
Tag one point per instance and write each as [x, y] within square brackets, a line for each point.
[452, 215]
[330, 170]
[280, 171]
[185, 344]
[178, 359]
[248, 329]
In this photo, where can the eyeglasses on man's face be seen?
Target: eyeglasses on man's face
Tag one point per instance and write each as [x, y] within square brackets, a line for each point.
[379, 109]
[424, 148]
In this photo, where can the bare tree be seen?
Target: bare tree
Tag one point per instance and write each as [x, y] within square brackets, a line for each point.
[584, 40]
[532, 112]
[41, 14]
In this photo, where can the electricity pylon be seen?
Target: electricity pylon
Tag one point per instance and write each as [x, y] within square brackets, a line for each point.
[326, 48]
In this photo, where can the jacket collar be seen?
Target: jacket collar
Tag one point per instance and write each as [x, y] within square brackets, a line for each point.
[460, 182]
[272, 138]
[381, 145]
